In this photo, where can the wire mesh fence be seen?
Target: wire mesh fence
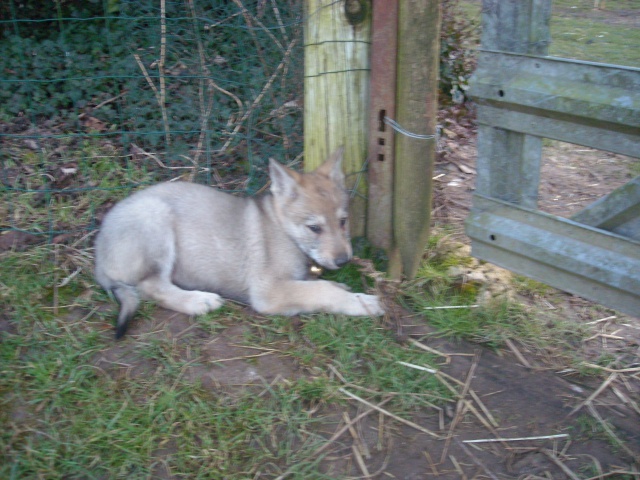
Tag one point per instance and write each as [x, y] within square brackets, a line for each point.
[99, 98]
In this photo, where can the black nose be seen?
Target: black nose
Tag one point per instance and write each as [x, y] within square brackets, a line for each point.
[342, 259]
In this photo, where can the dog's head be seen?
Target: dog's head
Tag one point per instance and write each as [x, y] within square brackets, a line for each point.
[313, 208]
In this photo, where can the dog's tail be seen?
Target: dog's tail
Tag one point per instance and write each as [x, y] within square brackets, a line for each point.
[128, 298]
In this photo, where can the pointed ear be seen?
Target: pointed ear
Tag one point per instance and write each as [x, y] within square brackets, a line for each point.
[284, 181]
[332, 167]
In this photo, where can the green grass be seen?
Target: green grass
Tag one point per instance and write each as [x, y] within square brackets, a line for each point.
[490, 323]
[63, 415]
[79, 180]
[577, 31]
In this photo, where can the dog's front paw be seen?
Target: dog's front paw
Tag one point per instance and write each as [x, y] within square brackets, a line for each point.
[367, 305]
[343, 286]
[202, 302]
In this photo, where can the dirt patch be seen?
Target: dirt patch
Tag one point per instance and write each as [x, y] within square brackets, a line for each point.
[218, 360]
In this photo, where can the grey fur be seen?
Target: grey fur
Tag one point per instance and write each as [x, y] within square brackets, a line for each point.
[183, 245]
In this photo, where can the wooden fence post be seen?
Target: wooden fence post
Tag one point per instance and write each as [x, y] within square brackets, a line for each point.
[382, 103]
[336, 86]
[416, 110]
[511, 171]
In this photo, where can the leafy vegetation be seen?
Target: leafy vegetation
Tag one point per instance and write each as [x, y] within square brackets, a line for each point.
[459, 36]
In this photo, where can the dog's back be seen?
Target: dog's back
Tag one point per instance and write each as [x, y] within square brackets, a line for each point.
[204, 234]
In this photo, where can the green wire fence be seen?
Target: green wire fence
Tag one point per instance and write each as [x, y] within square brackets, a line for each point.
[98, 98]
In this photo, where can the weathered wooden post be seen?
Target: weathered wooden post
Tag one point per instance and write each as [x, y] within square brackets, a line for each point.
[416, 110]
[510, 166]
[336, 86]
[382, 104]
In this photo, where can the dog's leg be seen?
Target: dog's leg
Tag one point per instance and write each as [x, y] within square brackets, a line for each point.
[189, 302]
[299, 296]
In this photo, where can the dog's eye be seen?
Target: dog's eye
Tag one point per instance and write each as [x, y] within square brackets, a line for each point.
[314, 228]
[343, 222]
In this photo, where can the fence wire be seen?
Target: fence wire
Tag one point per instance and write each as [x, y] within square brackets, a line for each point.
[99, 98]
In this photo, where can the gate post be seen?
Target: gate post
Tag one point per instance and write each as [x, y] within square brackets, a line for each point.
[509, 162]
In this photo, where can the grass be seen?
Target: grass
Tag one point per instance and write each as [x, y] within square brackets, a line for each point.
[61, 188]
[491, 323]
[577, 31]
[65, 414]
[62, 416]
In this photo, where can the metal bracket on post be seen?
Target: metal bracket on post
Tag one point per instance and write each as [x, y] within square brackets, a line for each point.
[384, 42]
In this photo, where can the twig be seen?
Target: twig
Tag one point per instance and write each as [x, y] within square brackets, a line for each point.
[163, 56]
[461, 408]
[476, 460]
[483, 407]
[262, 93]
[362, 446]
[389, 414]
[427, 348]
[450, 307]
[381, 418]
[612, 473]
[562, 466]
[519, 439]
[248, 17]
[339, 433]
[626, 399]
[56, 251]
[418, 367]
[335, 436]
[106, 102]
[146, 76]
[242, 357]
[612, 370]
[160, 94]
[360, 461]
[139, 151]
[204, 112]
[612, 317]
[457, 466]
[597, 392]
[607, 428]
[68, 278]
[276, 11]
[517, 353]
[431, 464]
[376, 392]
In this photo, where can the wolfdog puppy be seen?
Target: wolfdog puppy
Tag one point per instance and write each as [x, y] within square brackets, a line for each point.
[185, 245]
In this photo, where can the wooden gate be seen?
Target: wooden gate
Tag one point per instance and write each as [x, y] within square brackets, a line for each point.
[524, 96]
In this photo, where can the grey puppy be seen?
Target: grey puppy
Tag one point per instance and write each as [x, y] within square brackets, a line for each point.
[185, 245]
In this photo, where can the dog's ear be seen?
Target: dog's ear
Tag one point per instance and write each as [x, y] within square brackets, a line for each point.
[284, 181]
[332, 167]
